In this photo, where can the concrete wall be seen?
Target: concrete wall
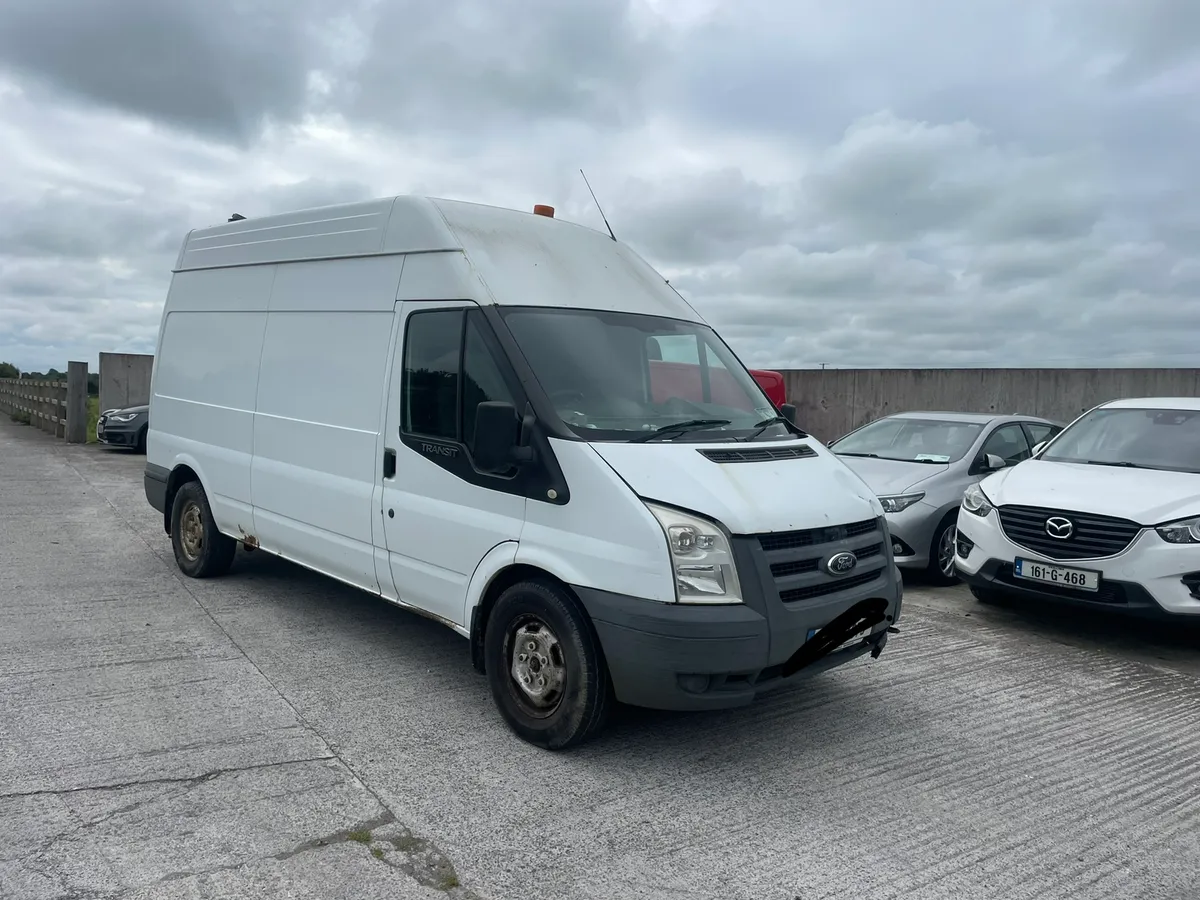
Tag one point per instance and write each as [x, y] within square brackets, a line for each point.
[125, 379]
[831, 402]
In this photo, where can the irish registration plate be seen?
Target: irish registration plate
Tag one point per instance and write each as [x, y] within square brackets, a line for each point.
[1080, 579]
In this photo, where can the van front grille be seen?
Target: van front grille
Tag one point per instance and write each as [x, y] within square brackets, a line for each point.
[795, 559]
[812, 537]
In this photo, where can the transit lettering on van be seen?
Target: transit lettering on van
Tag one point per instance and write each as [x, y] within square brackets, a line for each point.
[515, 426]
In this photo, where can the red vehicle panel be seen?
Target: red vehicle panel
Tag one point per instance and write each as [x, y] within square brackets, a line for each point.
[683, 380]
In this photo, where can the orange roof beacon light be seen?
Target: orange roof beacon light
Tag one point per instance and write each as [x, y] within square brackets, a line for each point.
[541, 209]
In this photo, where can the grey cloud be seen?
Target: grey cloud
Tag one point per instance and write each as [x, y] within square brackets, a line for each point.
[476, 64]
[67, 224]
[888, 179]
[218, 67]
[717, 214]
[1146, 37]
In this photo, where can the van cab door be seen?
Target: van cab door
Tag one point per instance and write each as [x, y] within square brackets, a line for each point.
[440, 514]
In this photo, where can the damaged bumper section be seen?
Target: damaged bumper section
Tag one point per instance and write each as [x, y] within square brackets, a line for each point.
[677, 656]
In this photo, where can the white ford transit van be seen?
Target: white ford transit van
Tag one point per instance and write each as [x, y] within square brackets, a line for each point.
[513, 425]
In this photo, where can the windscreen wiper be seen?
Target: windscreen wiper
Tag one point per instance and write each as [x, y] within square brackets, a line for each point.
[760, 427]
[1119, 465]
[677, 427]
[847, 453]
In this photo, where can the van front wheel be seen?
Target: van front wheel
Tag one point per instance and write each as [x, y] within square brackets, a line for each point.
[545, 666]
[201, 551]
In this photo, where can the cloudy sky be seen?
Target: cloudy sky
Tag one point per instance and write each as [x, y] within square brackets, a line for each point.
[873, 182]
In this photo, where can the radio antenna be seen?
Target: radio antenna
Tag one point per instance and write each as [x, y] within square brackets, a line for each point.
[597, 202]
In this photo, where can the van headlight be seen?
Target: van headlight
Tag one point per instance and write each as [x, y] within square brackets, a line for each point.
[701, 557]
[975, 501]
[1185, 531]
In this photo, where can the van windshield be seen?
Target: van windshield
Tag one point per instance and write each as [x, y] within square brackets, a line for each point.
[624, 376]
[1132, 438]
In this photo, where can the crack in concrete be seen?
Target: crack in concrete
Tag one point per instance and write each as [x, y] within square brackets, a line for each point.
[190, 780]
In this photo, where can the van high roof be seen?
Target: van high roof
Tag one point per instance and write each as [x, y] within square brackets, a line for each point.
[521, 257]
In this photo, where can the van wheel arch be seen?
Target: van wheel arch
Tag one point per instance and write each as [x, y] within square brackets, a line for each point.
[179, 476]
[537, 624]
[502, 581]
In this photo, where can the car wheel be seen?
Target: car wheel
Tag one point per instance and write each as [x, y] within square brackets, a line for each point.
[983, 595]
[141, 441]
[201, 551]
[545, 666]
[942, 551]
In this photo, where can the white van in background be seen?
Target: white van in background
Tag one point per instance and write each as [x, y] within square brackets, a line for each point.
[515, 426]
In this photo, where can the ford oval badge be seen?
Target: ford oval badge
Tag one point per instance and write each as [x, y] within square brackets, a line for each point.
[841, 563]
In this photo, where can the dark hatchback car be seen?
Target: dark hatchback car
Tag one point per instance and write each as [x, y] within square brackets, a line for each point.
[124, 427]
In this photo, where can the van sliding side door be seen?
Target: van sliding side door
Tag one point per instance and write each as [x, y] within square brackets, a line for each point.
[440, 514]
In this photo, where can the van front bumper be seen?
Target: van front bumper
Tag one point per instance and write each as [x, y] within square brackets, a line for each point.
[677, 656]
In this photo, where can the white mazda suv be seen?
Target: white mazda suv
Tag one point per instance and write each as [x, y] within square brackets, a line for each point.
[1107, 513]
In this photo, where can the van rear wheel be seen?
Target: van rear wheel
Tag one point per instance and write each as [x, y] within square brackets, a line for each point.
[545, 666]
[201, 551]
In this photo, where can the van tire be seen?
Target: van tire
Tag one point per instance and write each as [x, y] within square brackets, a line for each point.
[565, 651]
[201, 551]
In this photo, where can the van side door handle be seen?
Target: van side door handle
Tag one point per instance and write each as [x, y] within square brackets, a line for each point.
[389, 463]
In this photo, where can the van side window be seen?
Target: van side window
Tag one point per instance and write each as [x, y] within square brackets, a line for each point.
[677, 348]
[449, 370]
[432, 357]
[482, 379]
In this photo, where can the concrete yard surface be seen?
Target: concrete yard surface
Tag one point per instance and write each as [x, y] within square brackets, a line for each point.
[275, 734]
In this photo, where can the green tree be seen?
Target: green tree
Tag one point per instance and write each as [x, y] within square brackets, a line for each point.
[8, 370]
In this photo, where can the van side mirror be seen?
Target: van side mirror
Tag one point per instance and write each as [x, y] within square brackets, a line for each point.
[1037, 448]
[788, 411]
[496, 433]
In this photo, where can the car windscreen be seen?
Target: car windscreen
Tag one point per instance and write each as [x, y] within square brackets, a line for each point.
[1132, 438]
[911, 440]
[624, 376]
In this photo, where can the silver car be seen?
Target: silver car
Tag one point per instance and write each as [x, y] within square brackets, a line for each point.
[919, 464]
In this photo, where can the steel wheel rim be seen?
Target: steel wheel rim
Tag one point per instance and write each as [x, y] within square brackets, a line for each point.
[946, 551]
[537, 668]
[191, 531]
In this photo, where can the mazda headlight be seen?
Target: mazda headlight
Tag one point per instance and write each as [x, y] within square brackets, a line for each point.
[899, 502]
[1185, 531]
[975, 501]
[701, 557]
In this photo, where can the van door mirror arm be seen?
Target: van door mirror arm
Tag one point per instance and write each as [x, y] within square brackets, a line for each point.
[523, 450]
